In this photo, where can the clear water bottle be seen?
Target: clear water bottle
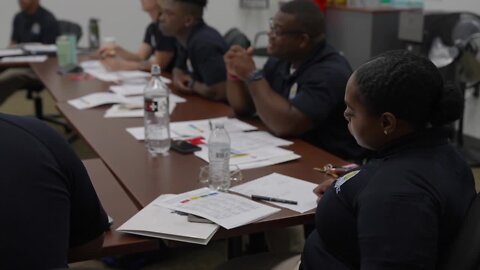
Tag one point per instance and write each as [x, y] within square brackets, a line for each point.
[156, 114]
[93, 33]
[219, 158]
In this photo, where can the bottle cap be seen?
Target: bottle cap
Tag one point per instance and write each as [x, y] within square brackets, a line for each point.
[155, 70]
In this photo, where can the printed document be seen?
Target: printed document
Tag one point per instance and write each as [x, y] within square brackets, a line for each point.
[25, 59]
[157, 221]
[197, 128]
[96, 99]
[283, 187]
[227, 210]
[11, 52]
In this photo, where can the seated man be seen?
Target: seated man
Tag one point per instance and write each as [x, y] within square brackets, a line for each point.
[199, 68]
[50, 211]
[154, 43]
[300, 90]
[32, 24]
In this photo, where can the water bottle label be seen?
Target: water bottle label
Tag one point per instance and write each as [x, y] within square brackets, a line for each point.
[151, 105]
[221, 155]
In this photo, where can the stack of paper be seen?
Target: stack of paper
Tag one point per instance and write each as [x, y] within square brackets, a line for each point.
[25, 59]
[254, 158]
[134, 107]
[227, 210]
[160, 222]
[40, 48]
[248, 149]
[96, 99]
[132, 89]
[197, 128]
[11, 52]
[96, 69]
[284, 187]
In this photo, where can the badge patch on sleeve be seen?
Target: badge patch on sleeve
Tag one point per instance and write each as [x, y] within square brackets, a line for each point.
[342, 180]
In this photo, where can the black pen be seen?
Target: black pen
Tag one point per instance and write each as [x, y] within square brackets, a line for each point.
[271, 199]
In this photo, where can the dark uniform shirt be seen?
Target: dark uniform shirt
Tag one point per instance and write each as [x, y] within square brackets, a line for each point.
[159, 42]
[400, 211]
[317, 89]
[203, 57]
[40, 27]
[47, 202]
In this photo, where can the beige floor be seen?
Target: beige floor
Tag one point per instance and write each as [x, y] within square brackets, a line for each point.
[192, 257]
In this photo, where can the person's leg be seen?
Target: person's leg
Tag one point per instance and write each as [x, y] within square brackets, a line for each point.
[14, 79]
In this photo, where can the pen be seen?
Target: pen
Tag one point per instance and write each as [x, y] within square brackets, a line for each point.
[271, 199]
[195, 127]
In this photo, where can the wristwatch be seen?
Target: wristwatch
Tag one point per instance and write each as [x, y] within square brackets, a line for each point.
[254, 76]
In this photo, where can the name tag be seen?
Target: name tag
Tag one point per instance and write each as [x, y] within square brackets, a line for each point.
[293, 91]
[153, 42]
[36, 29]
[189, 66]
[342, 180]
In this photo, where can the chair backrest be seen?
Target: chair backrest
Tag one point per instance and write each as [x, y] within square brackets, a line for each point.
[236, 37]
[70, 28]
[465, 251]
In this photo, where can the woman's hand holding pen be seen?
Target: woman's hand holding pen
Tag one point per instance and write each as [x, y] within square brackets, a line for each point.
[320, 189]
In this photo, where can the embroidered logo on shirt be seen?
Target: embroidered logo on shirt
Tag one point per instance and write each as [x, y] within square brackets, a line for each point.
[153, 41]
[36, 29]
[293, 91]
[189, 66]
[342, 180]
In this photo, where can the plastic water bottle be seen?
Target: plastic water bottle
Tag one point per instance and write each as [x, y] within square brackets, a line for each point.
[219, 158]
[156, 114]
[93, 33]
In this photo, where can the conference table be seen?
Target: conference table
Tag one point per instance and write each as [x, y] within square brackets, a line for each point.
[143, 177]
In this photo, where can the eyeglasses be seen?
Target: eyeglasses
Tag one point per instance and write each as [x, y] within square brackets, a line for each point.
[274, 31]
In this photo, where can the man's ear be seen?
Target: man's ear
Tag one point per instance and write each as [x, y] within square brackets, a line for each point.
[388, 122]
[189, 21]
[304, 40]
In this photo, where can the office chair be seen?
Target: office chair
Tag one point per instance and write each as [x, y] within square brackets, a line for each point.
[450, 41]
[236, 37]
[464, 253]
[33, 93]
[257, 50]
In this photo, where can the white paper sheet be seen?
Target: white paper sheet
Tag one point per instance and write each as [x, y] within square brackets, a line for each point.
[160, 222]
[126, 111]
[245, 141]
[135, 89]
[11, 52]
[25, 59]
[255, 158]
[190, 129]
[227, 210]
[96, 99]
[284, 187]
[40, 48]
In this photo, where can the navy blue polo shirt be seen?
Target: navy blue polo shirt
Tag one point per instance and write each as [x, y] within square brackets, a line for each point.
[203, 57]
[401, 210]
[40, 27]
[159, 42]
[47, 202]
[317, 89]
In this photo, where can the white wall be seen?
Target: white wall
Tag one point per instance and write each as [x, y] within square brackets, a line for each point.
[453, 5]
[125, 20]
